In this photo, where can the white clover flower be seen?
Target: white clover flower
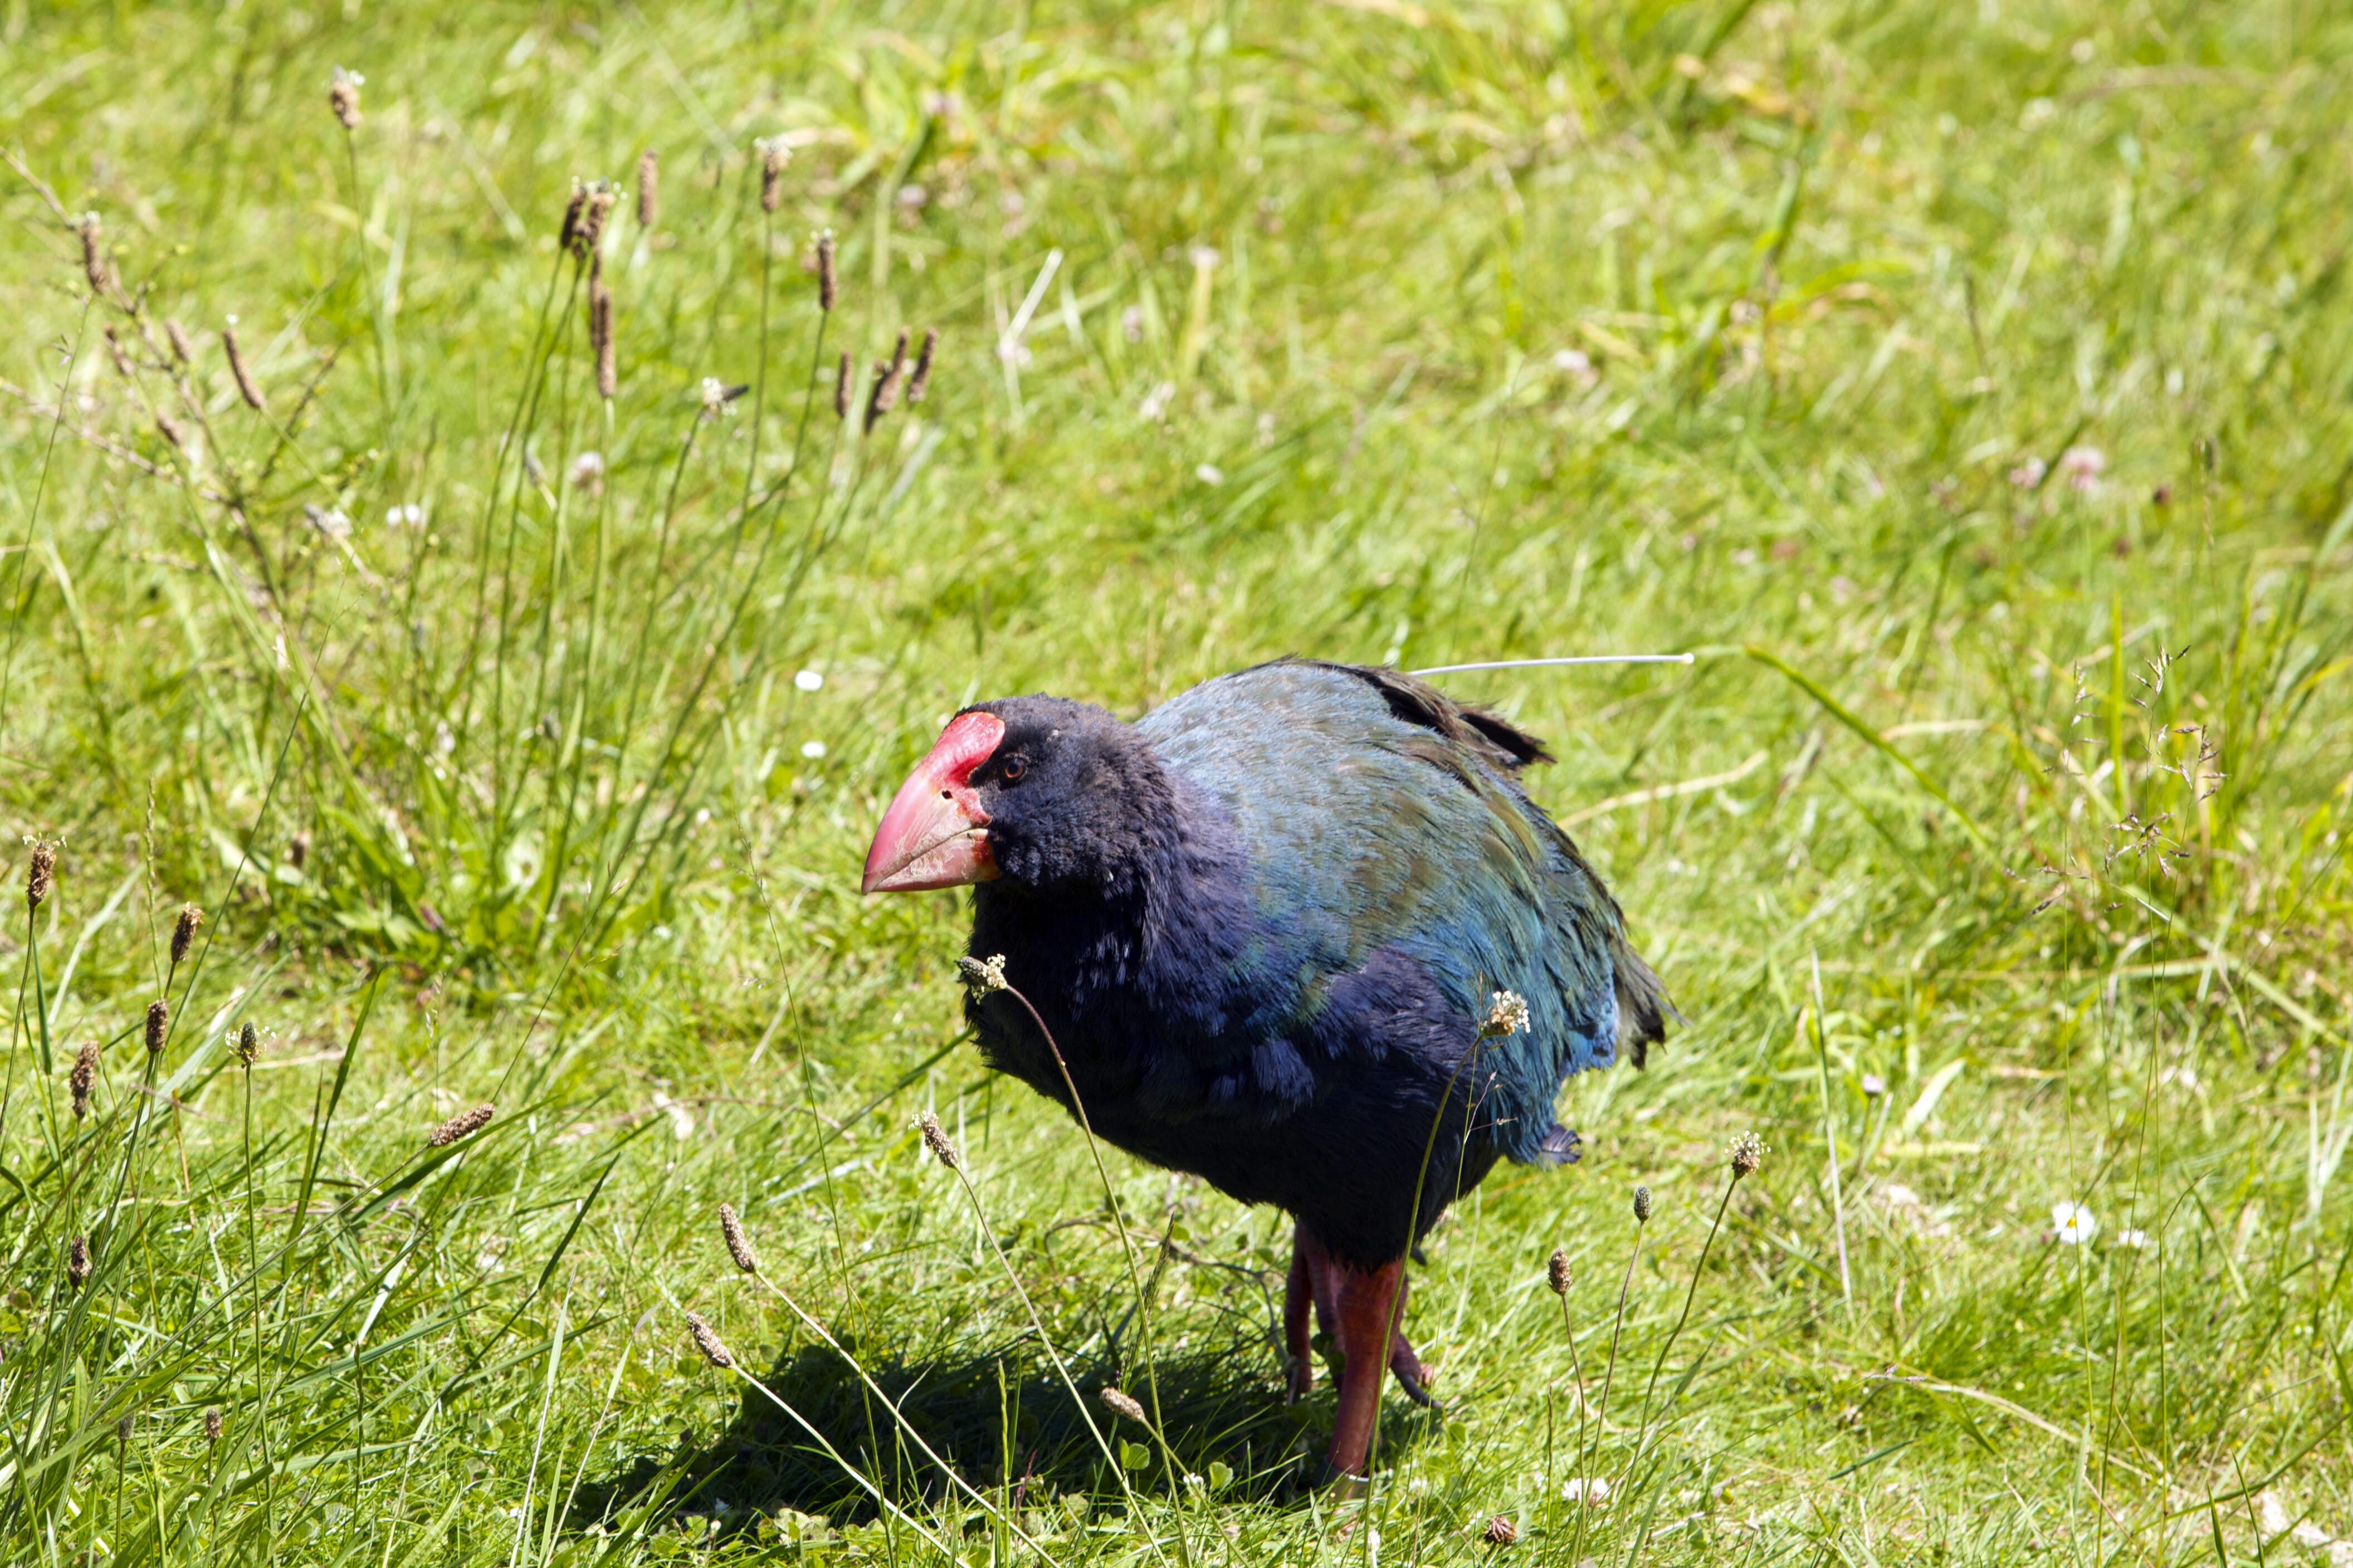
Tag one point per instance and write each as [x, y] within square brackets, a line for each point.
[2083, 466]
[813, 750]
[588, 471]
[718, 397]
[2072, 1225]
[1211, 474]
[808, 680]
[2028, 474]
[1507, 1014]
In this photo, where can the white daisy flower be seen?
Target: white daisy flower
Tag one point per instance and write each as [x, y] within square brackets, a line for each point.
[2072, 1225]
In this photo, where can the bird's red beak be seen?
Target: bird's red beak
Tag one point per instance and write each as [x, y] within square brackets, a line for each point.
[936, 834]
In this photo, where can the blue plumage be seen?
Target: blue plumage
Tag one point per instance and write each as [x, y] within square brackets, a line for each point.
[1263, 924]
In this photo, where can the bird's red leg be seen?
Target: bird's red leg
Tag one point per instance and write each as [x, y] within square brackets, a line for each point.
[1369, 1310]
[1298, 1295]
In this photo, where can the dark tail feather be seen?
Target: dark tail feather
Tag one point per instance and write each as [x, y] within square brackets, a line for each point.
[1643, 1007]
[1501, 743]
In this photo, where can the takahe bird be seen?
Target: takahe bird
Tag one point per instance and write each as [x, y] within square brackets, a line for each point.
[1267, 925]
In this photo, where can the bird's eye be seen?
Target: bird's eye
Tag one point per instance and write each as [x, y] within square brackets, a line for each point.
[1013, 769]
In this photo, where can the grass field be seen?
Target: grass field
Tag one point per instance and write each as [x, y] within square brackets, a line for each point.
[1966, 387]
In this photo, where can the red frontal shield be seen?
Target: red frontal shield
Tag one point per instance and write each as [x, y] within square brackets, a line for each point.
[936, 834]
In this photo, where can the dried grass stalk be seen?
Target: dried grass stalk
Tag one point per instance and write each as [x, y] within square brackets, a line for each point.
[920, 382]
[774, 156]
[600, 338]
[344, 98]
[739, 1246]
[246, 386]
[708, 1341]
[936, 1140]
[83, 1077]
[463, 1125]
[93, 254]
[39, 875]
[183, 932]
[886, 384]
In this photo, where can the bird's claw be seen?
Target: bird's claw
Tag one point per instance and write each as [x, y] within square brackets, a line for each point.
[1411, 1375]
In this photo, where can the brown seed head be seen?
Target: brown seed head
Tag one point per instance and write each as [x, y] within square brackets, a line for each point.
[246, 387]
[170, 429]
[592, 222]
[828, 285]
[566, 238]
[344, 98]
[297, 848]
[1747, 1154]
[774, 156]
[921, 381]
[841, 389]
[1502, 1531]
[600, 339]
[1642, 1206]
[885, 394]
[83, 1077]
[983, 974]
[93, 254]
[708, 1341]
[123, 1428]
[649, 188]
[212, 1426]
[183, 932]
[39, 875]
[114, 352]
[178, 336]
[936, 1140]
[248, 1043]
[739, 1246]
[77, 1261]
[1556, 1272]
[462, 1125]
[159, 1022]
[1121, 1404]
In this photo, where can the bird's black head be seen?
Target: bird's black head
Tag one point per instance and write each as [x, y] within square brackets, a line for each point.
[1044, 794]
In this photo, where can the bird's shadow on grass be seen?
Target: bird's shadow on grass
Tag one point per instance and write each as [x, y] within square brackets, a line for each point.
[1006, 1424]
